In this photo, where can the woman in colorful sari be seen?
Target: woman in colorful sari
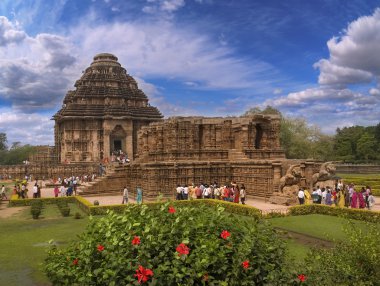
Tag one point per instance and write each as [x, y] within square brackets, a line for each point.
[357, 200]
[341, 199]
[236, 194]
[307, 197]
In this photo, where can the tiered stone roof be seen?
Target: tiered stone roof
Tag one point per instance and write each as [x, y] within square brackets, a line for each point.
[106, 89]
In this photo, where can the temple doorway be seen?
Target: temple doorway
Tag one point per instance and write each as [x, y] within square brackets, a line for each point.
[259, 136]
[117, 140]
[117, 145]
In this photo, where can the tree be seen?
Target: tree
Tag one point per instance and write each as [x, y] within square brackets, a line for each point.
[257, 110]
[366, 146]
[3, 141]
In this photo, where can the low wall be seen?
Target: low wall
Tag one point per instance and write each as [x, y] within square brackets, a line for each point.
[43, 171]
[357, 168]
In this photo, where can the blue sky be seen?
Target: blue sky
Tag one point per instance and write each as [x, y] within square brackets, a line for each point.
[316, 59]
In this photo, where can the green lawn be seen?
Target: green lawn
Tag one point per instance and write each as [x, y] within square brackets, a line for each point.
[326, 228]
[319, 226]
[24, 243]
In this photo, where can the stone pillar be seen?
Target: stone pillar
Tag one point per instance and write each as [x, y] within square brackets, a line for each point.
[277, 167]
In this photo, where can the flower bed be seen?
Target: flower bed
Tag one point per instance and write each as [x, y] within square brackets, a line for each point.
[170, 244]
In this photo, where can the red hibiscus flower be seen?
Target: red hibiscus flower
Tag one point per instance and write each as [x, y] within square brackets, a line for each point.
[205, 277]
[302, 277]
[136, 240]
[143, 274]
[100, 248]
[171, 210]
[225, 234]
[245, 264]
[182, 249]
[75, 261]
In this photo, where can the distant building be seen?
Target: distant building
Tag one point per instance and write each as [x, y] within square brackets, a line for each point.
[102, 115]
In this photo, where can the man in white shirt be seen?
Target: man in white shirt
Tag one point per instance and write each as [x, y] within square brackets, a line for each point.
[179, 192]
[301, 196]
[319, 192]
[35, 191]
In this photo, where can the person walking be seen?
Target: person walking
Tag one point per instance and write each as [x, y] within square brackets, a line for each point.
[371, 201]
[242, 194]
[301, 196]
[56, 191]
[125, 195]
[3, 194]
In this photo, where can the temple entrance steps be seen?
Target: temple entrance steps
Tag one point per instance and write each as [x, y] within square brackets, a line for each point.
[236, 155]
[113, 182]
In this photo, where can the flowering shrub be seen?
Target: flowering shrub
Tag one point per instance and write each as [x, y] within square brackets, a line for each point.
[185, 247]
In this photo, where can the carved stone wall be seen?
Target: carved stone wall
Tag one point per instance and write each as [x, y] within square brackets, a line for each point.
[155, 178]
[201, 138]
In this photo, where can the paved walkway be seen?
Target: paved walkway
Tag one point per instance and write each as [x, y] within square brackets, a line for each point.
[117, 199]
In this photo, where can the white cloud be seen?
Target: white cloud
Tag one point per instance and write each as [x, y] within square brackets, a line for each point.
[277, 91]
[374, 91]
[160, 49]
[32, 128]
[166, 6]
[35, 71]
[354, 57]
[333, 74]
[9, 33]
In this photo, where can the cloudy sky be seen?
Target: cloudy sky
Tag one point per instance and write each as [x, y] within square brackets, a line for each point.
[317, 59]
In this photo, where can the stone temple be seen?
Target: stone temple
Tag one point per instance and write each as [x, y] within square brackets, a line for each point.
[107, 112]
[102, 115]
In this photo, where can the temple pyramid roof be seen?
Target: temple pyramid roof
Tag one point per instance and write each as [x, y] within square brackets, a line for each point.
[106, 90]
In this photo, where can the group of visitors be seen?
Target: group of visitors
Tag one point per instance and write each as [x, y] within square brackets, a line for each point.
[341, 196]
[139, 195]
[21, 190]
[228, 192]
[120, 157]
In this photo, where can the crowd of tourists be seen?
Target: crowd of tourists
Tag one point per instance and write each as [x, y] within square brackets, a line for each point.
[340, 195]
[228, 192]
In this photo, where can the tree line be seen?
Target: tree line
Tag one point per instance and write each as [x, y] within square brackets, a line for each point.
[301, 140]
[14, 154]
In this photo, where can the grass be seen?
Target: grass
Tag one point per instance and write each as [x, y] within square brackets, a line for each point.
[362, 180]
[319, 226]
[323, 227]
[24, 243]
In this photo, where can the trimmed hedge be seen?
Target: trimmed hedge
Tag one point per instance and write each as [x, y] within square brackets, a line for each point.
[90, 209]
[358, 214]
[229, 207]
[48, 201]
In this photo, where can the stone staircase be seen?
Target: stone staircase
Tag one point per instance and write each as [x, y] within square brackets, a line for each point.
[236, 155]
[112, 183]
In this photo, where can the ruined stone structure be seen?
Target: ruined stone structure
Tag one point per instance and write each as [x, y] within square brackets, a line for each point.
[108, 112]
[202, 138]
[186, 150]
[102, 115]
